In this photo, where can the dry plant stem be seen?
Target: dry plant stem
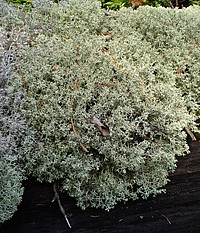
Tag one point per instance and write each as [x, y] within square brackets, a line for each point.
[23, 81]
[189, 132]
[76, 85]
[83, 147]
[60, 205]
[171, 5]
[72, 123]
[74, 130]
[166, 218]
[71, 118]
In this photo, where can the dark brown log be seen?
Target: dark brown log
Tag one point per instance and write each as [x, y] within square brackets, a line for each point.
[176, 211]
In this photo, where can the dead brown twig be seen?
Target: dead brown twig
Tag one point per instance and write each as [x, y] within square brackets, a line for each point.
[110, 56]
[166, 218]
[72, 120]
[189, 132]
[76, 85]
[72, 123]
[23, 81]
[55, 187]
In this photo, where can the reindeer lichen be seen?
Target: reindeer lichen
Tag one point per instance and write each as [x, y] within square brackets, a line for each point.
[135, 73]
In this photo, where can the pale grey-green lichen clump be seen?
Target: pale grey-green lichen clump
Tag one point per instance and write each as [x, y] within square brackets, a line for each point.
[12, 129]
[10, 188]
[135, 71]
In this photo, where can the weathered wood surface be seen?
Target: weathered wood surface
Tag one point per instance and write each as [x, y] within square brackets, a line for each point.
[176, 211]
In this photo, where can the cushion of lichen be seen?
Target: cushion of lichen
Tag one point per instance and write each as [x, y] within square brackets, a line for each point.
[10, 189]
[128, 67]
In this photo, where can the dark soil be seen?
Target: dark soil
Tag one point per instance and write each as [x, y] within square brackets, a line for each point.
[176, 211]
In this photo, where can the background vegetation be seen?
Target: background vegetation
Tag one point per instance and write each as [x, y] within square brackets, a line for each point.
[118, 4]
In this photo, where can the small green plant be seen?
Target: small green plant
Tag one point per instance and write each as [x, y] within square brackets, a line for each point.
[157, 3]
[118, 4]
[115, 4]
[194, 2]
[19, 2]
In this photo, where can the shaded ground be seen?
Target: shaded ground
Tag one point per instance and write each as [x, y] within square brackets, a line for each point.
[176, 211]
